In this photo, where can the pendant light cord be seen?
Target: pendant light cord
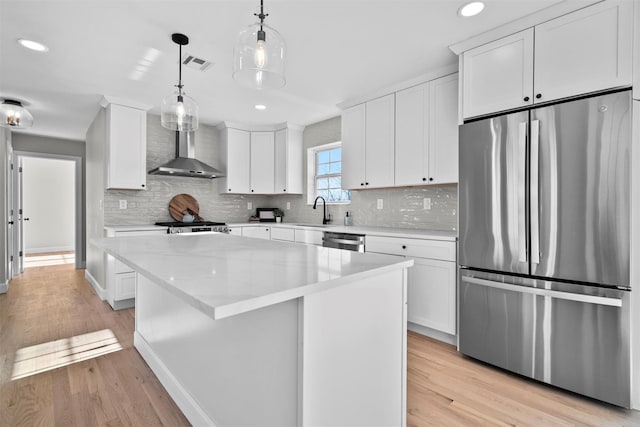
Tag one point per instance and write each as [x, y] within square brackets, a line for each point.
[261, 15]
[180, 70]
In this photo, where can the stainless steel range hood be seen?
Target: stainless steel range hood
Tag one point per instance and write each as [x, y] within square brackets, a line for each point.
[185, 163]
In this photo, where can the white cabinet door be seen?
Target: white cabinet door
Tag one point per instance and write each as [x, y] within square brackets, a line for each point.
[431, 297]
[262, 162]
[288, 161]
[235, 231]
[584, 51]
[498, 76]
[258, 231]
[126, 151]
[236, 152]
[412, 135]
[285, 234]
[309, 237]
[443, 130]
[353, 146]
[125, 286]
[379, 145]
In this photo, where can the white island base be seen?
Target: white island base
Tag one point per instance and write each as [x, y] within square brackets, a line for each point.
[335, 357]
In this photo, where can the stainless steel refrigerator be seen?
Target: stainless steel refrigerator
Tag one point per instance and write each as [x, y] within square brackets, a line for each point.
[544, 245]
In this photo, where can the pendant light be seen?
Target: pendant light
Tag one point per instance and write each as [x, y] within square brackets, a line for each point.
[178, 111]
[258, 56]
[14, 115]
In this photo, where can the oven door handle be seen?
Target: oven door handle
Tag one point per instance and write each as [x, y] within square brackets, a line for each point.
[614, 302]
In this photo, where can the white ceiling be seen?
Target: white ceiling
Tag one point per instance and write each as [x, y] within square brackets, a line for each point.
[337, 50]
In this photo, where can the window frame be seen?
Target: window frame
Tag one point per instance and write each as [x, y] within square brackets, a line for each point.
[311, 172]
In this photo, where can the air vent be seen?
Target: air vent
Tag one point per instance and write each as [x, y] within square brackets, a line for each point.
[196, 63]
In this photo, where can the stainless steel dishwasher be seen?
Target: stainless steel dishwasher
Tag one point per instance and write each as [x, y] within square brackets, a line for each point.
[347, 241]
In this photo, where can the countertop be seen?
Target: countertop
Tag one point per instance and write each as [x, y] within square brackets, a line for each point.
[225, 275]
[373, 231]
[140, 227]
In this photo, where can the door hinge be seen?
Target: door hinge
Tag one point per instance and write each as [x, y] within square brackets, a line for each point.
[20, 169]
[20, 254]
[11, 166]
[11, 257]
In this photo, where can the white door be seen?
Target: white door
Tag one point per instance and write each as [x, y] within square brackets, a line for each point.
[19, 238]
[11, 253]
[412, 135]
[431, 297]
[353, 128]
[379, 147]
[498, 76]
[443, 130]
[262, 162]
[584, 51]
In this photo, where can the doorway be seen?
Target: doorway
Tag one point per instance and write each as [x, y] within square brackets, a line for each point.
[47, 192]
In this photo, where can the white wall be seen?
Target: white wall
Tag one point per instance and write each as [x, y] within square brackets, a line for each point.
[49, 203]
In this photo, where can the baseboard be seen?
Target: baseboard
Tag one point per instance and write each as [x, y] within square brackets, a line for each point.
[49, 249]
[180, 396]
[102, 293]
[437, 335]
[123, 304]
[4, 287]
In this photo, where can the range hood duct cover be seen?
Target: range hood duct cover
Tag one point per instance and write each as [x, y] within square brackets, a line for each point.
[185, 163]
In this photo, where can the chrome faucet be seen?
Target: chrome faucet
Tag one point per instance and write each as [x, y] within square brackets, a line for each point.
[324, 209]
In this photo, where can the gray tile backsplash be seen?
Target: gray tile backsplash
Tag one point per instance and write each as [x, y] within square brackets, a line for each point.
[403, 207]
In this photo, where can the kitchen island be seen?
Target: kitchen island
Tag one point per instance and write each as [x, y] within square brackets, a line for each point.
[254, 332]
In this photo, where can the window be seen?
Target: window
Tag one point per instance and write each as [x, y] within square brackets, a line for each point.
[325, 174]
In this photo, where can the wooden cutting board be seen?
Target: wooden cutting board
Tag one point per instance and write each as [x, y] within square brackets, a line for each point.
[181, 204]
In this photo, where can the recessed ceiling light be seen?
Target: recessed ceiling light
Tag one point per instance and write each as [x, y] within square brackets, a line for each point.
[471, 9]
[260, 107]
[30, 44]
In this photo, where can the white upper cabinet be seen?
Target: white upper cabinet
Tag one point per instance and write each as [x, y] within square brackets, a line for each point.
[288, 161]
[581, 52]
[443, 130]
[585, 51]
[353, 134]
[235, 156]
[426, 143]
[262, 162]
[368, 133]
[126, 148]
[379, 146]
[498, 76]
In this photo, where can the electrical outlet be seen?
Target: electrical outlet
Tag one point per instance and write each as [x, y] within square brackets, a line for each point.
[380, 203]
[249, 206]
[426, 203]
[123, 204]
[288, 205]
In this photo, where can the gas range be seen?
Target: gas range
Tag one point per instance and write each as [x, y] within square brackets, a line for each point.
[177, 227]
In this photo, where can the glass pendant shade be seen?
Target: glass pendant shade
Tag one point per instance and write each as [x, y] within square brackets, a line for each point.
[14, 115]
[258, 57]
[179, 112]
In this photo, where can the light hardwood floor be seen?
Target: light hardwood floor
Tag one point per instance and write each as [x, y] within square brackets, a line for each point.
[117, 388]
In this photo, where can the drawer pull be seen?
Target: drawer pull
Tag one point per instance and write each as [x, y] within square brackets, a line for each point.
[404, 246]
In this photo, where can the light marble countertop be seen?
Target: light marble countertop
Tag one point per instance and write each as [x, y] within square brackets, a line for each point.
[373, 231]
[139, 227]
[225, 275]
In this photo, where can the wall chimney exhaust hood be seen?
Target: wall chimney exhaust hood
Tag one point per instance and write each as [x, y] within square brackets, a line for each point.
[185, 163]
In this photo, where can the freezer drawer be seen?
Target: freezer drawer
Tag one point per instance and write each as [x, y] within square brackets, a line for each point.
[572, 336]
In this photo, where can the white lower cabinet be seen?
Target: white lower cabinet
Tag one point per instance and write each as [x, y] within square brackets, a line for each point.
[257, 231]
[283, 234]
[120, 278]
[431, 284]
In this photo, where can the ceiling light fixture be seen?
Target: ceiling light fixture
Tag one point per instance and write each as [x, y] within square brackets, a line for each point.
[471, 9]
[30, 44]
[258, 56]
[14, 115]
[260, 107]
[179, 111]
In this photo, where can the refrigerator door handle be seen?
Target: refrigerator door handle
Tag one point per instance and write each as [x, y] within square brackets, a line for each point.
[591, 299]
[534, 192]
[522, 183]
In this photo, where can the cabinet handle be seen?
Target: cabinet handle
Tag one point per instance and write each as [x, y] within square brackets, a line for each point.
[362, 183]
[430, 178]
[424, 179]
[366, 183]
[526, 99]
[284, 189]
[229, 189]
[538, 96]
[142, 185]
[404, 246]
[252, 191]
[10, 222]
